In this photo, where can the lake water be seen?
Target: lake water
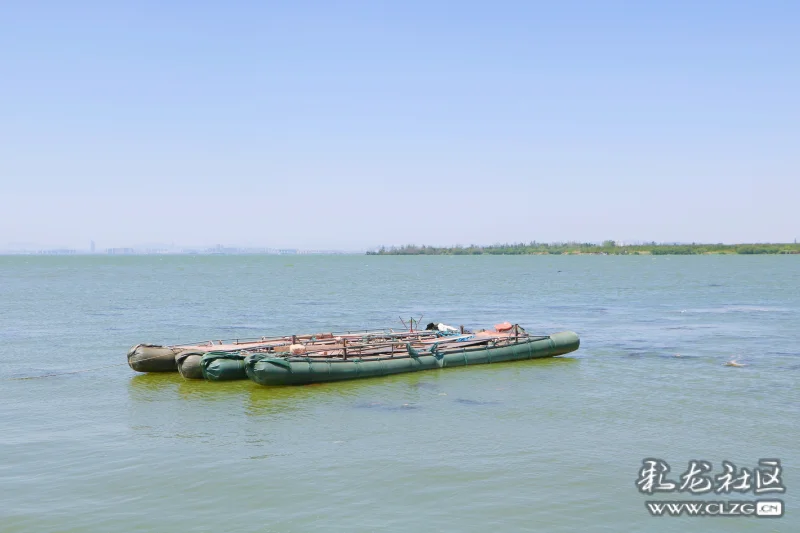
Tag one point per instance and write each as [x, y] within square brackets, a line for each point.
[551, 445]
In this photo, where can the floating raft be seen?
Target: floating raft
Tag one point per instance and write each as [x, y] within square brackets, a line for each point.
[188, 358]
[375, 360]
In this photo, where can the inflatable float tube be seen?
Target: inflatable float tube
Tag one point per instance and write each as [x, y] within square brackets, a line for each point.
[152, 358]
[188, 362]
[223, 366]
[267, 369]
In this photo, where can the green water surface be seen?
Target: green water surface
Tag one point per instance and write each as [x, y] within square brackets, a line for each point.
[551, 445]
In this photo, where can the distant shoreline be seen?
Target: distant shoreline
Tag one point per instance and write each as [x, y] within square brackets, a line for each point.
[606, 248]
[534, 248]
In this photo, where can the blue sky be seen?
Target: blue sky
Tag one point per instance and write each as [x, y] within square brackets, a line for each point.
[355, 124]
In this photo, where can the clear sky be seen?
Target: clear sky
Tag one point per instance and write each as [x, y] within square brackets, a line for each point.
[354, 124]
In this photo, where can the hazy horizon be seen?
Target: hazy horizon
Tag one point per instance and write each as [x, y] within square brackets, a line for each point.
[154, 246]
[352, 126]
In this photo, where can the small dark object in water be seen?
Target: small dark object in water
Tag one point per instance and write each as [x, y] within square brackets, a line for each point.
[384, 407]
[467, 401]
[370, 405]
[402, 407]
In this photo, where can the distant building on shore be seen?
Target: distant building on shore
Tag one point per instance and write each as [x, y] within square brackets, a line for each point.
[58, 251]
[91, 246]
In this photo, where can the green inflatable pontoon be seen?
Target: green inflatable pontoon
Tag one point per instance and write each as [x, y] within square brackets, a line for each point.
[269, 369]
[223, 366]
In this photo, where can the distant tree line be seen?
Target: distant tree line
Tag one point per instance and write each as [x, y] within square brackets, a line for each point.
[607, 247]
